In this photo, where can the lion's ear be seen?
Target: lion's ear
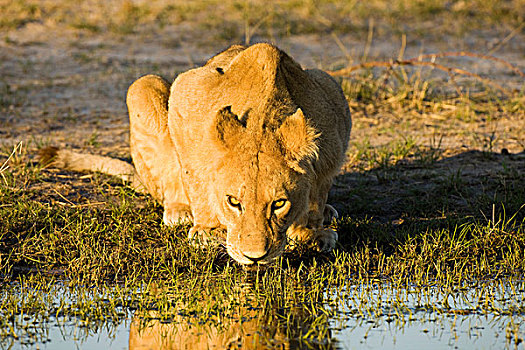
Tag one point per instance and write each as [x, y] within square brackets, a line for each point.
[298, 139]
[229, 126]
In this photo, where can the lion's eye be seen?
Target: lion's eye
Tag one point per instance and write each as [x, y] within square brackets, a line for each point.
[278, 204]
[234, 202]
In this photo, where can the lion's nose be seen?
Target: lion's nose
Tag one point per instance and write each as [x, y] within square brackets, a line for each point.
[256, 251]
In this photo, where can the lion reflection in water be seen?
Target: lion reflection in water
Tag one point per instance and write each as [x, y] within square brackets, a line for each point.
[248, 328]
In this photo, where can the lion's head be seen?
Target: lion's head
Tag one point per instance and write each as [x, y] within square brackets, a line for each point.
[262, 182]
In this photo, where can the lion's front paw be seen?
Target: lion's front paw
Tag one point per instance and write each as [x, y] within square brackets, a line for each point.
[322, 239]
[177, 214]
[203, 237]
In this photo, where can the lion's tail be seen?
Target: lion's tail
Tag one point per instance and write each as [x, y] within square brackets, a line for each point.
[65, 159]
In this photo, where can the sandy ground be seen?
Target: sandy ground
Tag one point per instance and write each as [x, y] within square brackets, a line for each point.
[67, 87]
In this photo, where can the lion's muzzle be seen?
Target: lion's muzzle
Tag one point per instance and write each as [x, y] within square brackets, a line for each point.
[254, 247]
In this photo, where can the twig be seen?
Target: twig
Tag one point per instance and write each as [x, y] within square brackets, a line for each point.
[369, 39]
[342, 48]
[507, 38]
[248, 32]
[5, 165]
[403, 47]
[470, 54]
[64, 198]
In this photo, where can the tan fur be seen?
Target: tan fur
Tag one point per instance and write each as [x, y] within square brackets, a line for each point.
[253, 127]
[63, 158]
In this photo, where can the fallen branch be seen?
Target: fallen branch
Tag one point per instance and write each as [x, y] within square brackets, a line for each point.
[418, 61]
[433, 56]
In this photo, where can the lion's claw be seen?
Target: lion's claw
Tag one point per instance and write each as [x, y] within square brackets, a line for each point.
[330, 214]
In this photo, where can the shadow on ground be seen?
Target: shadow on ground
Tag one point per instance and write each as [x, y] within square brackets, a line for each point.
[467, 184]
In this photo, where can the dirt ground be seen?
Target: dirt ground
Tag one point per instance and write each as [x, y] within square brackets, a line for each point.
[66, 86]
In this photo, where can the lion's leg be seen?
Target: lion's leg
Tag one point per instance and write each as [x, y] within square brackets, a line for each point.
[155, 158]
[309, 229]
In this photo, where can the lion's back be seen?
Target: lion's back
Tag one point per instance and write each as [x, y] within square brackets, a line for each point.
[263, 76]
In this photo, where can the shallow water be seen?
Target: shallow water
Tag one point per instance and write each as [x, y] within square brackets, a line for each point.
[70, 336]
[433, 331]
[488, 315]
[455, 332]
[485, 316]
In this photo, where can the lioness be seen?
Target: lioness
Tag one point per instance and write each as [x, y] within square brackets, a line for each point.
[245, 148]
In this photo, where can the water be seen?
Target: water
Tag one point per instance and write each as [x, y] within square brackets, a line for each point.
[485, 316]
[71, 336]
[488, 315]
[454, 332]
[436, 332]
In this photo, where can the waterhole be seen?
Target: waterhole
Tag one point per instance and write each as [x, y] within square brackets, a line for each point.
[372, 314]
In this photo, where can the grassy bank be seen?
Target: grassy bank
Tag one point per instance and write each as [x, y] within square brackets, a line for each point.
[407, 221]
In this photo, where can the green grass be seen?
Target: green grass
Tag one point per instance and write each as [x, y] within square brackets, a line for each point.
[95, 229]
